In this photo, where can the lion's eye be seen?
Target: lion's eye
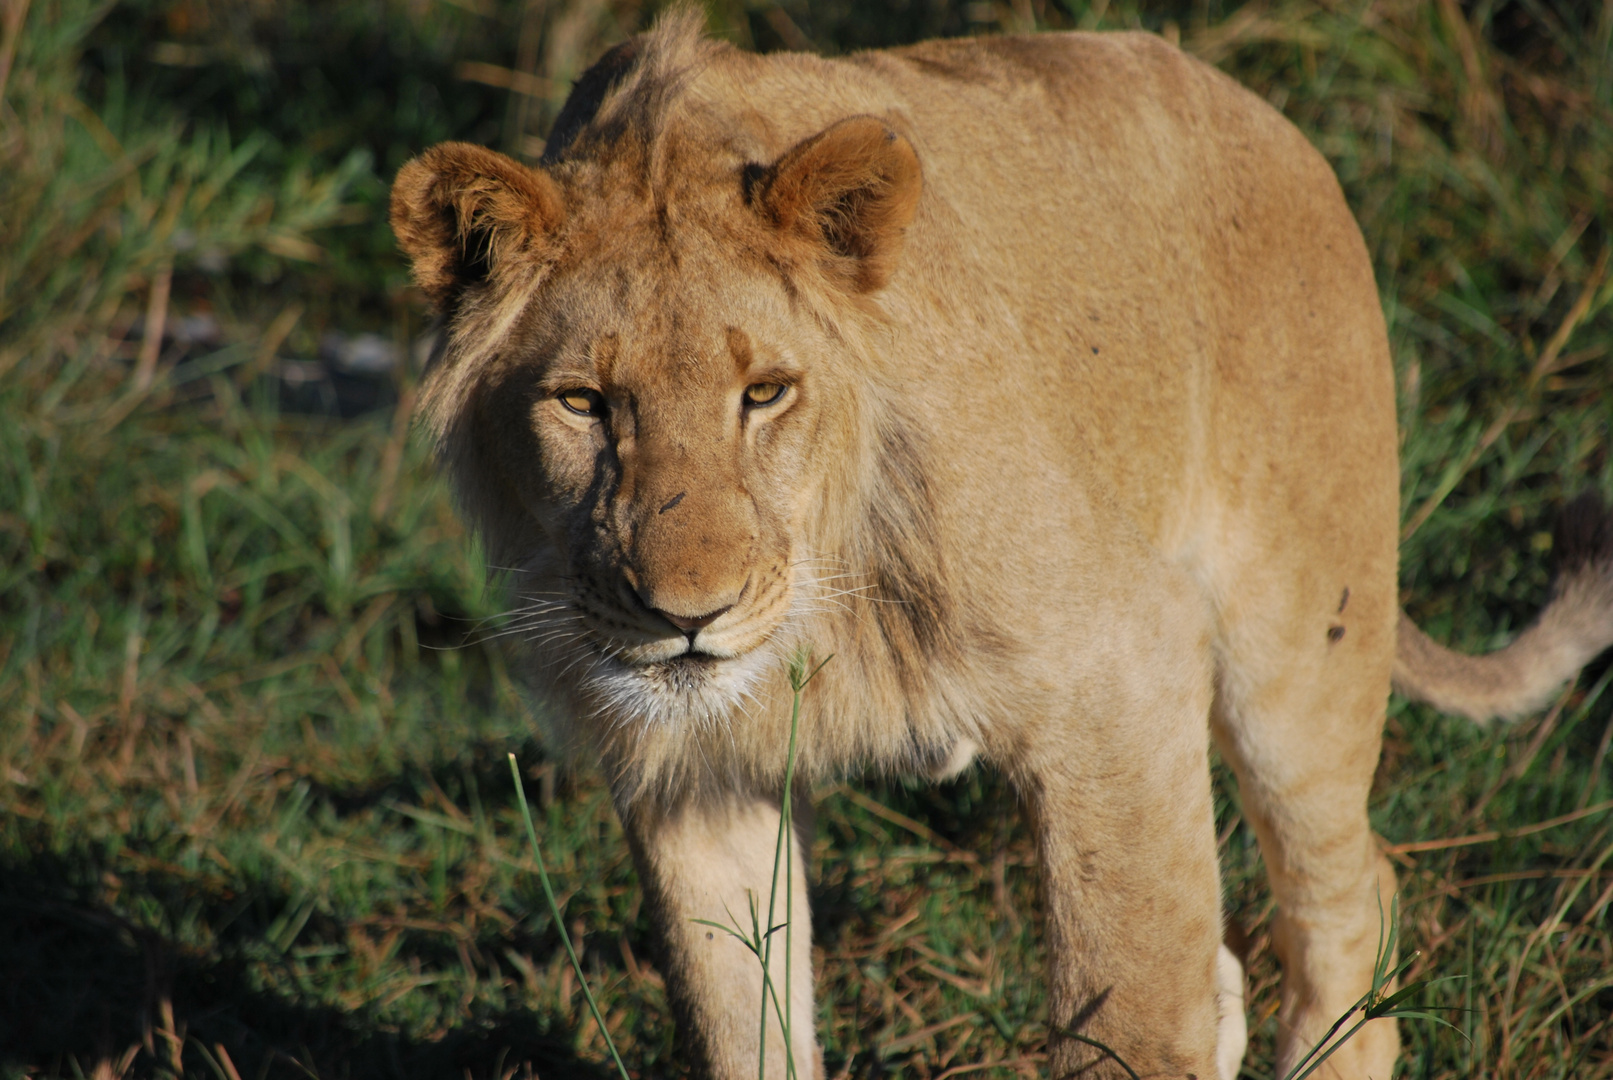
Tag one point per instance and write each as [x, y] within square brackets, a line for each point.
[763, 393]
[583, 402]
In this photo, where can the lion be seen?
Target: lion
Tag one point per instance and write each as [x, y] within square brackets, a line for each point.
[1042, 380]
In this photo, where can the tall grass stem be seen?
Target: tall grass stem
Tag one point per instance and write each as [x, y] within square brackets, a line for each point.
[559, 919]
[799, 677]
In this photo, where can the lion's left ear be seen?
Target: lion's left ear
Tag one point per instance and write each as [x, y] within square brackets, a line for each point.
[463, 213]
[852, 188]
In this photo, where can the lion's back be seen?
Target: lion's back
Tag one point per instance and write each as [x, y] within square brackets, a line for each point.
[1165, 253]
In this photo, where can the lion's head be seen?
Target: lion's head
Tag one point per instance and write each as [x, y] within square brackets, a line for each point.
[654, 378]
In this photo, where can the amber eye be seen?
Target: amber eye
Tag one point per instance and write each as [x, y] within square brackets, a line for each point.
[583, 402]
[763, 393]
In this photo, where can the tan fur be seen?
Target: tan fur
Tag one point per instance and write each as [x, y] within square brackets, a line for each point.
[1515, 681]
[1086, 455]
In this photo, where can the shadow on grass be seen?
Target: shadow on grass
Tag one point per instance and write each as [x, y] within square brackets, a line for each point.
[978, 813]
[80, 983]
[481, 774]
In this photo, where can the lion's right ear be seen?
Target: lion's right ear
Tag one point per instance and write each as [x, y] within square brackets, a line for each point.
[463, 213]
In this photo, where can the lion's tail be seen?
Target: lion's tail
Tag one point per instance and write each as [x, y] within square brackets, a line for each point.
[1573, 628]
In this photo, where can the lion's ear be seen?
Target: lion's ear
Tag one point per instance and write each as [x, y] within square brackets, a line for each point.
[853, 188]
[463, 213]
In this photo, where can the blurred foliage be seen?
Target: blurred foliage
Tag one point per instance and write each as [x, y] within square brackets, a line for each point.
[254, 697]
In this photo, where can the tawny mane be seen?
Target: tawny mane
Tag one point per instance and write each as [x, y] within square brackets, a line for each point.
[624, 99]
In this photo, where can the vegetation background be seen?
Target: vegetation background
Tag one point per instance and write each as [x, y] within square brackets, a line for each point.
[254, 697]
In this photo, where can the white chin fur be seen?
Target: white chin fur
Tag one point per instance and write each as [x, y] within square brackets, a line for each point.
[677, 692]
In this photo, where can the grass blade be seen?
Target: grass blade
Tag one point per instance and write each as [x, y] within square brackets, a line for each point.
[559, 920]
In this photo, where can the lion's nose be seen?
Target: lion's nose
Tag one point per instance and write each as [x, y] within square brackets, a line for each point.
[699, 622]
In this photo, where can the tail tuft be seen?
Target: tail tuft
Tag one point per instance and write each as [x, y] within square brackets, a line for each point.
[1572, 629]
[1583, 536]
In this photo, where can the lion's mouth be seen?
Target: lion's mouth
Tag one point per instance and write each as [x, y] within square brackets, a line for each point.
[691, 687]
[696, 657]
[640, 673]
[690, 664]
[688, 671]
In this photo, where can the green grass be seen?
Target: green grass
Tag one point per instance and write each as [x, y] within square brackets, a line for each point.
[255, 815]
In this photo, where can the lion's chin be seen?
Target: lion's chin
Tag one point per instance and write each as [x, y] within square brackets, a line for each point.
[691, 689]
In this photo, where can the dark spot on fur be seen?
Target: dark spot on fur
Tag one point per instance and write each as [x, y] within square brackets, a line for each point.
[751, 179]
[1335, 634]
[674, 501]
[587, 94]
[1583, 535]
[1345, 599]
[740, 349]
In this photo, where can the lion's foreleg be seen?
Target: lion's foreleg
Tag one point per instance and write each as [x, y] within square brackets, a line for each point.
[1120, 792]
[713, 860]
